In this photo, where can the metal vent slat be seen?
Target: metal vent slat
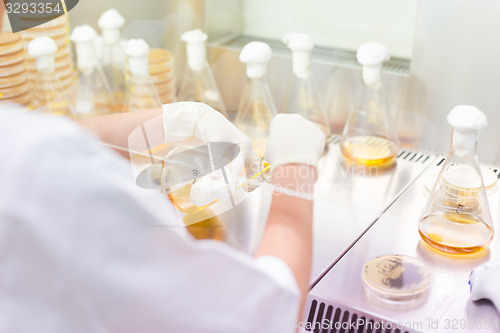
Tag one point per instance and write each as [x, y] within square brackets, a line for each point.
[340, 320]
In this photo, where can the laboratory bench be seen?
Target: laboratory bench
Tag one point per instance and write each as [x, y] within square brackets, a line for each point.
[361, 214]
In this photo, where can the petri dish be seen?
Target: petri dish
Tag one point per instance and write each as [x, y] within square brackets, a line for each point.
[164, 87]
[9, 38]
[160, 60]
[396, 279]
[22, 99]
[13, 91]
[13, 80]
[163, 77]
[12, 58]
[168, 98]
[13, 70]
[10, 48]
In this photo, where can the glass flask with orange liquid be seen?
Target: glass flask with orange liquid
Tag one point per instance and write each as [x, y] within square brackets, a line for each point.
[369, 137]
[301, 96]
[198, 83]
[113, 55]
[256, 107]
[49, 94]
[141, 91]
[94, 97]
[457, 219]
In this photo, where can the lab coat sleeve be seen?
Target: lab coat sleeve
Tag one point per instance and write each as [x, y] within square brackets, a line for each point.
[83, 249]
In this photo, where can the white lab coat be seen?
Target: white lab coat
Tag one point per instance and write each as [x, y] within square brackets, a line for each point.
[83, 249]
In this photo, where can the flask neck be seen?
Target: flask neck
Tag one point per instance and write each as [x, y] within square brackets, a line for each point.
[45, 64]
[464, 143]
[301, 61]
[258, 81]
[372, 76]
[111, 36]
[86, 56]
[196, 56]
[257, 71]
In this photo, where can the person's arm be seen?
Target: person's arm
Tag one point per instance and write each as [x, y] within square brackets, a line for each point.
[114, 129]
[293, 150]
[288, 234]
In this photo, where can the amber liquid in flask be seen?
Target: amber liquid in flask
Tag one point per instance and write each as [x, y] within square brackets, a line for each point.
[369, 137]
[457, 219]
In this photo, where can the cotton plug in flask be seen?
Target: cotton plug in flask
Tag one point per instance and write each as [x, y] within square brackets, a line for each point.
[113, 56]
[49, 94]
[256, 107]
[94, 96]
[198, 83]
[141, 92]
[457, 219]
[302, 96]
[369, 137]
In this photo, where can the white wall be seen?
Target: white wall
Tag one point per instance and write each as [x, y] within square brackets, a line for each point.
[335, 23]
[457, 61]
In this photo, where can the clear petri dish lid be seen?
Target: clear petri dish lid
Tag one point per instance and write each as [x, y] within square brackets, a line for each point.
[396, 279]
[12, 58]
[13, 80]
[13, 91]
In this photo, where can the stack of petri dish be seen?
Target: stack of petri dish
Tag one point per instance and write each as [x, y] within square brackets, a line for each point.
[14, 85]
[58, 30]
[161, 70]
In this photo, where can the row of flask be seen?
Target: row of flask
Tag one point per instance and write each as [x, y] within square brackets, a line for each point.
[105, 83]
[369, 136]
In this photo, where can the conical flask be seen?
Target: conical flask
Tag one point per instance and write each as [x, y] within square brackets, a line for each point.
[457, 218]
[49, 94]
[94, 95]
[141, 92]
[301, 95]
[198, 83]
[113, 56]
[256, 107]
[369, 137]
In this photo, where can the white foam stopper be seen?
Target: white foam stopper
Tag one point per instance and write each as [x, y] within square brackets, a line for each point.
[301, 46]
[372, 55]
[466, 121]
[43, 49]
[137, 52]
[195, 49]
[84, 37]
[256, 55]
[110, 22]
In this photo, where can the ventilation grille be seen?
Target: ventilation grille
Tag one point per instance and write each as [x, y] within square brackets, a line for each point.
[326, 55]
[413, 157]
[330, 319]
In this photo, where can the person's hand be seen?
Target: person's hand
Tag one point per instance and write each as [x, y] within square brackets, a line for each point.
[293, 139]
[186, 119]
